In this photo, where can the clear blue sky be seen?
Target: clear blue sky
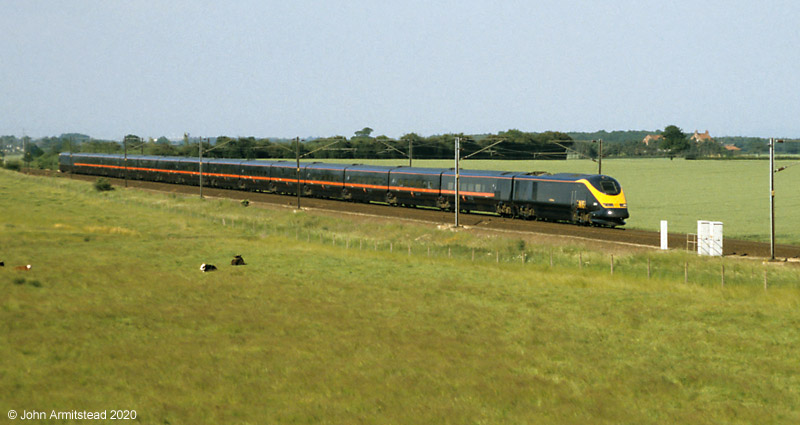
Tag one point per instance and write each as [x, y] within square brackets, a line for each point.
[324, 68]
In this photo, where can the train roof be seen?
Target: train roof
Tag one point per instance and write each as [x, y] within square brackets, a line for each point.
[325, 166]
[222, 161]
[480, 173]
[559, 176]
[100, 155]
[287, 164]
[258, 163]
[370, 168]
[418, 170]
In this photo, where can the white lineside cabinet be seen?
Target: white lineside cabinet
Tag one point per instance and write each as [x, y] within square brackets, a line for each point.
[709, 238]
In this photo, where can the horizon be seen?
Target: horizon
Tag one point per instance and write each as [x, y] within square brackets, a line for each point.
[312, 138]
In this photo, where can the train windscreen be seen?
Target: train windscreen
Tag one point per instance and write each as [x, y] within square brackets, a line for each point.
[609, 187]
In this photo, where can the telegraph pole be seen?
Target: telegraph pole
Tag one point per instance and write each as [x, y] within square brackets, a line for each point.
[200, 163]
[297, 157]
[772, 172]
[125, 161]
[24, 149]
[69, 141]
[410, 151]
[772, 198]
[599, 156]
[600, 159]
[458, 155]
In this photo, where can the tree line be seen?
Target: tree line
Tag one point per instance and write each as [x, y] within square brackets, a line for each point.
[511, 144]
[674, 142]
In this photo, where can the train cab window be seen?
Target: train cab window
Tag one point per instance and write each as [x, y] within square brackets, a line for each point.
[609, 187]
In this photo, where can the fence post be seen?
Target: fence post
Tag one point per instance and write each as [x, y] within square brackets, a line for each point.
[612, 264]
[723, 276]
[551, 257]
[686, 272]
[765, 279]
[448, 252]
[497, 257]
[391, 246]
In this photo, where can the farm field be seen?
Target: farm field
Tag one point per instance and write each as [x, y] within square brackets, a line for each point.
[680, 191]
[336, 321]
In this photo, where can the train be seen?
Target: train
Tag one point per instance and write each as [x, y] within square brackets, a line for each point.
[585, 199]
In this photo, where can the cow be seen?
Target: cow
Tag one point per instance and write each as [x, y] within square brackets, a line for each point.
[237, 261]
[207, 267]
[23, 268]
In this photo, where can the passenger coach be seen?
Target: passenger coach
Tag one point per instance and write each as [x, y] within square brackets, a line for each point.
[577, 198]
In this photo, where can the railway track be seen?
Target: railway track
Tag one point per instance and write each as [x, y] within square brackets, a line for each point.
[623, 237]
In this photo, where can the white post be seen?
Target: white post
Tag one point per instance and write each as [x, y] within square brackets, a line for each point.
[664, 235]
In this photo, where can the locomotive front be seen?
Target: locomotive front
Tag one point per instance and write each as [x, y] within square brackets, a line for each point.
[611, 207]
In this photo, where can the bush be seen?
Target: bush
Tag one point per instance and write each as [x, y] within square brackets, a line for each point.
[47, 162]
[102, 184]
[13, 165]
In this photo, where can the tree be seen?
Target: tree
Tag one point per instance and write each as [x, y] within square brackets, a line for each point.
[364, 132]
[675, 140]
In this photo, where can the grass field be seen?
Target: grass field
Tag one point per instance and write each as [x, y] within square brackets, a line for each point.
[327, 325]
[681, 192]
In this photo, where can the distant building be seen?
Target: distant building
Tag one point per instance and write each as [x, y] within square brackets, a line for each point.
[701, 137]
[650, 138]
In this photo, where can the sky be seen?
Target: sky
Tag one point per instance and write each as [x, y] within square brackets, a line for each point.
[324, 68]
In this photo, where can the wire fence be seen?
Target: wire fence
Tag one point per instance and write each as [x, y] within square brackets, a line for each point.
[650, 266]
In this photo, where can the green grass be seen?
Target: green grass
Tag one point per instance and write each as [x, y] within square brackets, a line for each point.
[681, 192]
[316, 330]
